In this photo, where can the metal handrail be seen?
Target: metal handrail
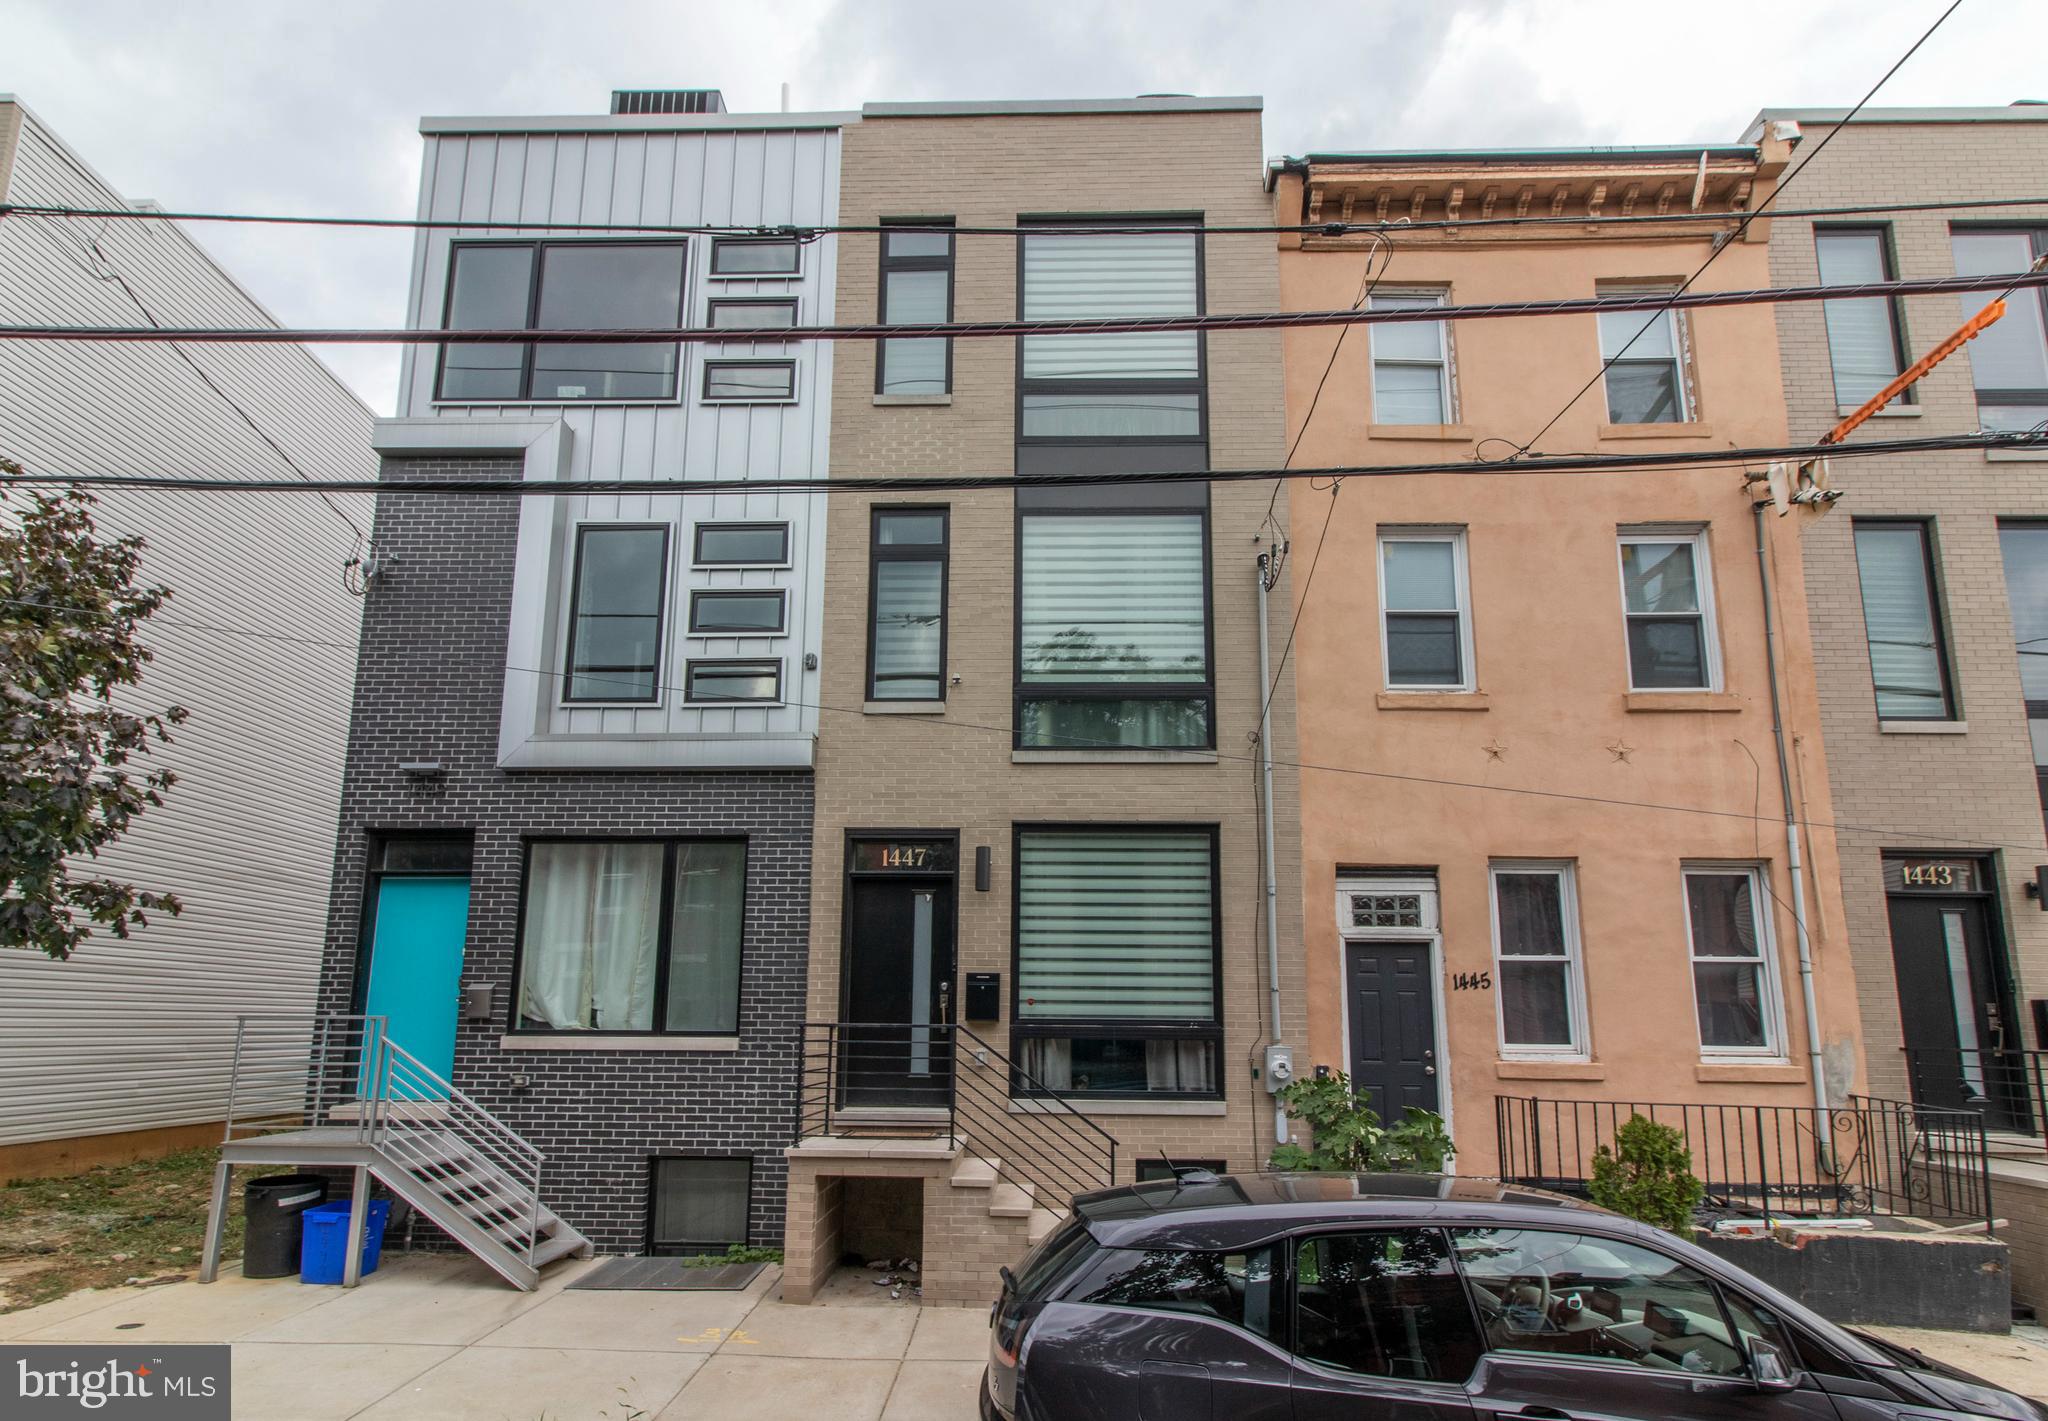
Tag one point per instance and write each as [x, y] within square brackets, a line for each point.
[2010, 1081]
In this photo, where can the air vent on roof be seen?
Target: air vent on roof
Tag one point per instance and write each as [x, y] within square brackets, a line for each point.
[667, 101]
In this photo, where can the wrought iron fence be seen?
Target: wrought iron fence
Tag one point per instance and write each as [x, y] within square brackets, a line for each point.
[1868, 1157]
[2008, 1088]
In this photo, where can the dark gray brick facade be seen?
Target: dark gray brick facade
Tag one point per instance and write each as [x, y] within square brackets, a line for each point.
[428, 687]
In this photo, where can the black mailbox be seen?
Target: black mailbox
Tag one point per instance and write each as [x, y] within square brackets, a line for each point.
[984, 996]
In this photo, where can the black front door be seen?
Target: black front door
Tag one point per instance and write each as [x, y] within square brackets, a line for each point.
[1393, 1025]
[1951, 1009]
[899, 989]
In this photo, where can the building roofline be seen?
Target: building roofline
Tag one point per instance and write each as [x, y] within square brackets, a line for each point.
[1145, 103]
[434, 127]
[1615, 154]
[2022, 112]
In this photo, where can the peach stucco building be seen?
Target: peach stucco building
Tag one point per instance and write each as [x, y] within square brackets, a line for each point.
[1543, 839]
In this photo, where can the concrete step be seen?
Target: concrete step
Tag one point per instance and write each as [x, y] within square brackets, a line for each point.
[1010, 1201]
[1040, 1225]
[973, 1172]
[562, 1245]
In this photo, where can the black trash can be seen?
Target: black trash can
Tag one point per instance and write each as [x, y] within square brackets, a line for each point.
[272, 1206]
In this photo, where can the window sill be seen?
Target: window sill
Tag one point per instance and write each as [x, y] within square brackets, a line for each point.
[1748, 1073]
[2016, 456]
[1549, 1070]
[1112, 757]
[1121, 1107]
[570, 1041]
[1434, 701]
[903, 708]
[1888, 412]
[1923, 727]
[1425, 433]
[1681, 430]
[899, 401]
[1710, 702]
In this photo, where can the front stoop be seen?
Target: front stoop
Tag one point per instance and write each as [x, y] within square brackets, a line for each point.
[975, 1220]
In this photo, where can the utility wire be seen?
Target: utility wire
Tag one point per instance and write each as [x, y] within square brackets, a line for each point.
[809, 231]
[1539, 464]
[949, 723]
[1652, 303]
[1730, 239]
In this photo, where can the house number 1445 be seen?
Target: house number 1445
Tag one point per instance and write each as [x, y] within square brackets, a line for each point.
[1472, 981]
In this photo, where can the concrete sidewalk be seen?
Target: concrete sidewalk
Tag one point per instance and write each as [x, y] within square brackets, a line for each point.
[437, 1338]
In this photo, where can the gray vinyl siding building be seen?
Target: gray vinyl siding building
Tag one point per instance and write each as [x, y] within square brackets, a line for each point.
[125, 1048]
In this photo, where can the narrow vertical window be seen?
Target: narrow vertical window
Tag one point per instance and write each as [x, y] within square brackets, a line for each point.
[614, 651]
[1645, 373]
[907, 605]
[917, 289]
[2024, 547]
[1908, 664]
[2009, 358]
[1411, 381]
[1732, 984]
[1536, 947]
[1667, 601]
[1863, 334]
[1425, 625]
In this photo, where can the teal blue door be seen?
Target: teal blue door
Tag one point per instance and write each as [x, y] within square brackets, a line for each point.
[416, 938]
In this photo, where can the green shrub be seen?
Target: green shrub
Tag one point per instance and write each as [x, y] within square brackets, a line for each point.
[1348, 1134]
[1647, 1176]
[737, 1253]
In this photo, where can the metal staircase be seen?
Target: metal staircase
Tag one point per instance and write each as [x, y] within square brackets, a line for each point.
[336, 1091]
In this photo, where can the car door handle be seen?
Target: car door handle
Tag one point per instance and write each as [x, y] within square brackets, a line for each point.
[1540, 1413]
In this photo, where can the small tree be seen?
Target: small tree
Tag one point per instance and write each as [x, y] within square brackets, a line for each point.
[1647, 1176]
[1348, 1134]
[70, 611]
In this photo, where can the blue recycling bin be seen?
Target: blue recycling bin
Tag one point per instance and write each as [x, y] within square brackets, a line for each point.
[325, 1248]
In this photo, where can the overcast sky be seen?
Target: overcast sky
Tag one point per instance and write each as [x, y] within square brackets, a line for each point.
[274, 106]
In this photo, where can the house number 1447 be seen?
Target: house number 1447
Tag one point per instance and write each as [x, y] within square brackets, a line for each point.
[1472, 981]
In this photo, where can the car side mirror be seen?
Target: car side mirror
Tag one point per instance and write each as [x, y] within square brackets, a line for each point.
[1769, 1367]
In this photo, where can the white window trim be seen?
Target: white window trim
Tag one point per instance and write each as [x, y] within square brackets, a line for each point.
[1424, 885]
[1681, 351]
[1566, 872]
[565, 634]
[1703, 576]
[1447, 384]
[1469, 680]
[1773, 1049]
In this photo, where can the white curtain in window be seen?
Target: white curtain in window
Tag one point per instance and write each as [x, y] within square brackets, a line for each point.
[1099, 276]
[1049, 1060]
[1180, 1066]
[593, 917]
[1115, 926]
[704, 937]
[1113, 598]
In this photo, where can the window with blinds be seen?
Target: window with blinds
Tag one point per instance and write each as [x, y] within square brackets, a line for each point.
[1908, 664]
[1113, 644]
[1863, 337]
[1142, 385]
[907, 605]
[1116, 966]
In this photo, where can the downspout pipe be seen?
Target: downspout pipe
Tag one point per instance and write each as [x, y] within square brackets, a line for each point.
[1794, 859]
[1267, 843]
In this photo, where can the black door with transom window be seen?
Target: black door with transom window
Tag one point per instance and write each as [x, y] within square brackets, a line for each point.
[1961, 1046]
[895, 1050]
[1392, 1009]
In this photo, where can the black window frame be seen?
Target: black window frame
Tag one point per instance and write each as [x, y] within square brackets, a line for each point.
[725, 244]
[569, 672]
[698, 559]
[378, 843]
[1145, 1028]
[2035, 709]
[664, 947]
[940, 552]
[685, 1248]
[1031, 224]
[1951, 707]
[718, 362]
[2038, 244]
[690, 698]
[781, 596]
[1203, 690]
[890, 265]
[534, 279]
[715, 304]
[1895, 307]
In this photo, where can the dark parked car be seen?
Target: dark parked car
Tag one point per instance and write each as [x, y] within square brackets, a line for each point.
[1315, 1297]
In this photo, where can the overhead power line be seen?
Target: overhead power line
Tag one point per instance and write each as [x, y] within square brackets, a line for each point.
[1539, 464]
[809, 231]
[1120, 325]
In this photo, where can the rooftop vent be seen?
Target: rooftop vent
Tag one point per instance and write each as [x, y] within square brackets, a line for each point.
[667, 101]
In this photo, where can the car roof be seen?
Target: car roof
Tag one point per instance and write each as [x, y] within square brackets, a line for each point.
[1200, 1210]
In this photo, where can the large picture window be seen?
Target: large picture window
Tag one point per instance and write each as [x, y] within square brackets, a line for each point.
[1116, 977]
[1733, 985]
[1113, 648]
[561, 286]
[907, 605]
[615, 609]
[632, 935]
[1536, 947]
[1143, 385]
[1908, 664]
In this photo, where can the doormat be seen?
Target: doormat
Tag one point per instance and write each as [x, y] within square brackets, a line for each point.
[666, 1275]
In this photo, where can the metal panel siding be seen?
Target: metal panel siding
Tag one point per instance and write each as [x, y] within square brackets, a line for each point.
[136, 1034]
[688, 177]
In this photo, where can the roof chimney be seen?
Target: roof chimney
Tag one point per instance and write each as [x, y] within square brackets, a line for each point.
[667, 101]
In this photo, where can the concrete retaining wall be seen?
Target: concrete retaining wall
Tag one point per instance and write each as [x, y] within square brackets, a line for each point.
[1902, 1280]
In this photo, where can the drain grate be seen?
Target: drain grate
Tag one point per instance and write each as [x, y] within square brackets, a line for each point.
[666, 1275]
